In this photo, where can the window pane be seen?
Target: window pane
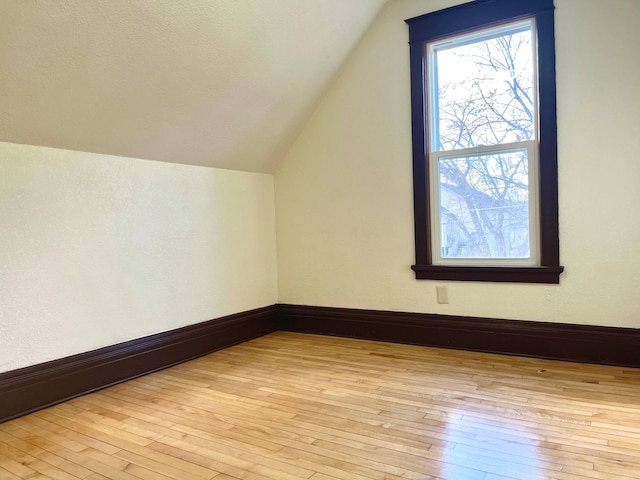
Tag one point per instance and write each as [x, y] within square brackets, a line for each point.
[484, 205]
[483, 88]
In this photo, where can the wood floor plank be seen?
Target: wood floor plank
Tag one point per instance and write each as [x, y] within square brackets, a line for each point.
[291, 406]
[7, 475]
[50, 454]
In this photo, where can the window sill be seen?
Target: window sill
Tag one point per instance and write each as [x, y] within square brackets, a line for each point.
[489, 274]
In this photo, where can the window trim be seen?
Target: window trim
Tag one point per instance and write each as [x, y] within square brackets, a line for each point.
[458, 20]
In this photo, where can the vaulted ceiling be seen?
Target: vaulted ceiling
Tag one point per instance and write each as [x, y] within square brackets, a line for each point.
[220, 83]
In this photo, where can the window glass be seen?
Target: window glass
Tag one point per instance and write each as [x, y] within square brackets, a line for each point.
[482, 88]
[484, 205]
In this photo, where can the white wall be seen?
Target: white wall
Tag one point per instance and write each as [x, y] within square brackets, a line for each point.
[153, 79]
[344, 191]
[96, 249]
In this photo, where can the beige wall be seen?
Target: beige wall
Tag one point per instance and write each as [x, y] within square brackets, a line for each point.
[218, 83]
[96, 249]
[344, 191]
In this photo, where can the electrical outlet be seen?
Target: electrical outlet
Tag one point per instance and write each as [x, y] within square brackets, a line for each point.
[442, 294]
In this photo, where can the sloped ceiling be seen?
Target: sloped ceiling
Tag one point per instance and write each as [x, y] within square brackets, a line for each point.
[220, 83]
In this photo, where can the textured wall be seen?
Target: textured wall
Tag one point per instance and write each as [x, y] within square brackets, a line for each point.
[96, 249]
[344, 191]
[221, 83]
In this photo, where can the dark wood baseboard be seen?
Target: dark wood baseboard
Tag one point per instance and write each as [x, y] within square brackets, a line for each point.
[29, 389]
[578, 343]
[32, 388]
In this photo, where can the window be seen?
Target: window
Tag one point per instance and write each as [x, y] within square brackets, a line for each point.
[484, 142]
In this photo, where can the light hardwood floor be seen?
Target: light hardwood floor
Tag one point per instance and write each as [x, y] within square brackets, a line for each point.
[293, 406]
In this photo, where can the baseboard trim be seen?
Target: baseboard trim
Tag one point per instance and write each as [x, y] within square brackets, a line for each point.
[29, 389]
[577, 343]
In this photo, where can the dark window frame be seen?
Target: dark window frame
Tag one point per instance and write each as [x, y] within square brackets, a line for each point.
[458, 20]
